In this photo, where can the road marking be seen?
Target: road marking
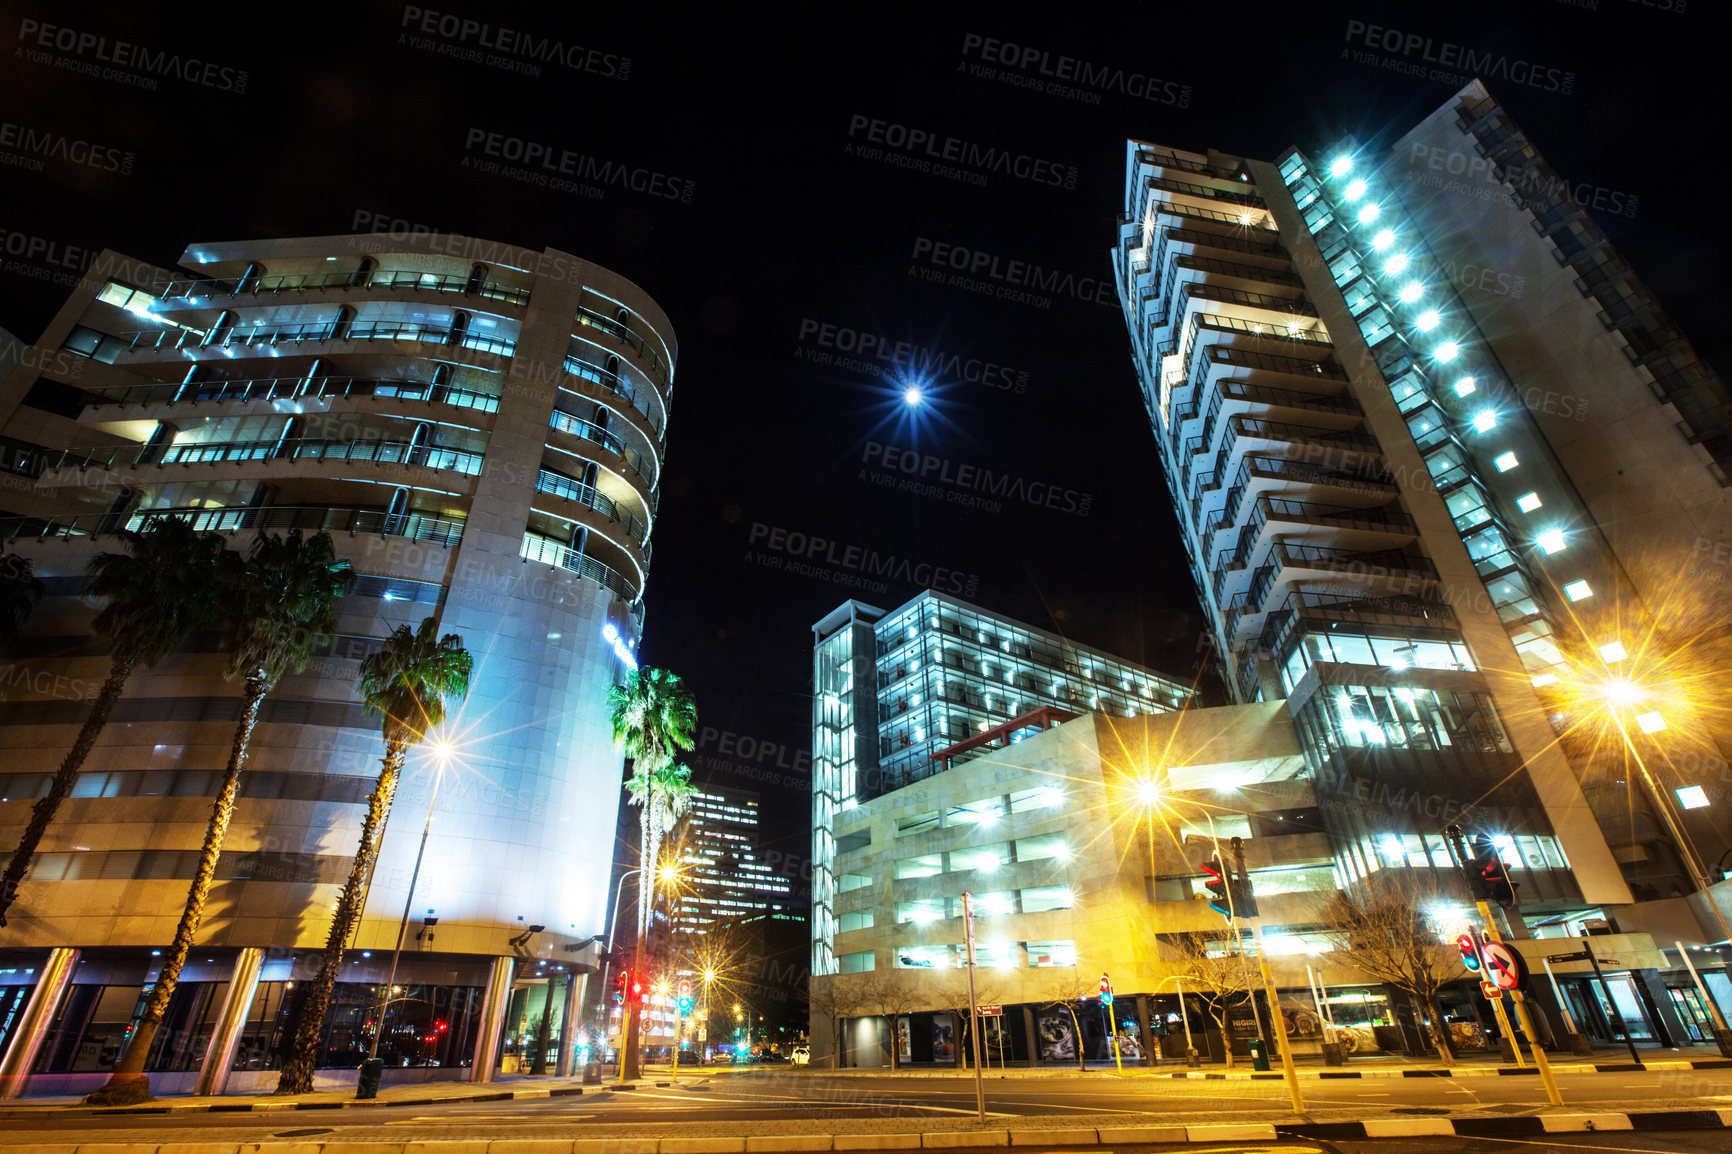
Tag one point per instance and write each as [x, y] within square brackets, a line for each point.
[1573, 1145]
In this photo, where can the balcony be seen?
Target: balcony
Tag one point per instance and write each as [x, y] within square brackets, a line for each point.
[590, 497]
[625, 335]
[639, 464]
[282, 449]
[291, 388]
[550, 552]
[612, 383]
[245, 519]
[301, 283]
[180, 339]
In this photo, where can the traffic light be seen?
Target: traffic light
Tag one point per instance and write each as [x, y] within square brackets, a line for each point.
[685, 1002]
[1106, 991]
[1487, 876]
[1217, 884]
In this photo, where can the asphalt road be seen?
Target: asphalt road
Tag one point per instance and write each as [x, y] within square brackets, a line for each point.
[743, 1103]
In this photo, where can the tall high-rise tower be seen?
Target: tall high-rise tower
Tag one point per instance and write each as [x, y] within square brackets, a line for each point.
[1439, 460]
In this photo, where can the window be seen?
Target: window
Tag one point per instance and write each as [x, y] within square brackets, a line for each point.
[1053, 953]
[847, 882]
[859, 920]
[919, 823]
[1045, 898]
[1043, 797]
[923, 911]
[920, 867]
[923, 957]
[848, 842]
[978, 813]
[1051, 846]
[859, 963]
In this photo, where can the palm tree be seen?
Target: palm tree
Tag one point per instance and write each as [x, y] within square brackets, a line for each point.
[405, 684]
[166, 585]
[653, 716]
[20, 591]
[288, 595]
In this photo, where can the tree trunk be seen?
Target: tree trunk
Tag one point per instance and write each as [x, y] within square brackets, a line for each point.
[894, 1021]
[1081, 1060]
[129, 1083]
[120, 667]
[297, 1076]
[1439, 1032]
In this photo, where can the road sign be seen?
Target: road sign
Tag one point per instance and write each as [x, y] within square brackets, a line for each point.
[987, 1011]
[1579, 956]
[1503, 966]
[1490, 991]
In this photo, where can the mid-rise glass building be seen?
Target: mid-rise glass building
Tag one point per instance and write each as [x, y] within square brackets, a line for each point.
[892, 688]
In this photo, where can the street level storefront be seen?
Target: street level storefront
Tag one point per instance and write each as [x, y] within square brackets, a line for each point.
[233, 1014]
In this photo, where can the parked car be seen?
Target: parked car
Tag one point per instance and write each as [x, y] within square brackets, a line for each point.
[802, 1056]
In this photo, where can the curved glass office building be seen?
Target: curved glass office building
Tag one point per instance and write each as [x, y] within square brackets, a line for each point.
[481, 429]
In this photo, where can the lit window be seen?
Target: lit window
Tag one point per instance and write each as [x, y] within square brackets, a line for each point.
[1552, 540]
[1693, 797]
[1428, 320]
[1464, 386]
[1485, 421]
[1447, 351]
[1650, 722]
[1383, 239]
[1397, 264]
[1613, 652]
[1355, 189]
[1544, 680]
[1341, 166]
[1578, 590]
[1506, 462]
[1368, 214]
[1410, 292]
[1528, 502]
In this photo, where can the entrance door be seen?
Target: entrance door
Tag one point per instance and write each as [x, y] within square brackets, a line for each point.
[1625, 1007]
[1688, 1006]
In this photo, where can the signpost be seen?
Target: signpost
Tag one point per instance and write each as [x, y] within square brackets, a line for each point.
[987, 1011]
[973, 1012]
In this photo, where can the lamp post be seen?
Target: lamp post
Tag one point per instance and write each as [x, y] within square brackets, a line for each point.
[441, 753]
[1722, 1035]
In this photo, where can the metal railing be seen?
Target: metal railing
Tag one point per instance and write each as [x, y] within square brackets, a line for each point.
[550, 552]
[245, 519]
[590, 431]
[331, 330]
[292, 388]
[201, 288]
[628, 337]
[612, 382]
[548, 481]
[283, 449]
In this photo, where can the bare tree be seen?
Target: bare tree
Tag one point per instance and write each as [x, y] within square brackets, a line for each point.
[836, 999]
[893, 996]
[1072, 990]
[952, 995]
[1381, 928]
[1215, 969]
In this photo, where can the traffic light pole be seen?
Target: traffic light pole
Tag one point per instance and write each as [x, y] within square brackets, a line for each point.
[1274, 999]
[1458, 854]
[1521, 1008]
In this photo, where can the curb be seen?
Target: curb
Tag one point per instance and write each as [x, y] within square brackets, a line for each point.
[161, 1107]
[1492, 1127]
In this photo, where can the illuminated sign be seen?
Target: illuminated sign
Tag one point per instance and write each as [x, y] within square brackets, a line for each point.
[610, 633]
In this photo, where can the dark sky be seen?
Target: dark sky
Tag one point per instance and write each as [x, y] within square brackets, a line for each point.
[786, 231]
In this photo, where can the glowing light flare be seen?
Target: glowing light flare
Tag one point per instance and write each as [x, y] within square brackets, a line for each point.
[912, 396]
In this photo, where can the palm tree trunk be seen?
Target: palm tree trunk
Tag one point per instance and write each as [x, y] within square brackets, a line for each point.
[120, 667]
[129, 1083]
[297, 1076]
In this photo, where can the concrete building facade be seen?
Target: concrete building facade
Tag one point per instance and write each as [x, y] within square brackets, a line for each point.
[481, 429]
[1446, 476]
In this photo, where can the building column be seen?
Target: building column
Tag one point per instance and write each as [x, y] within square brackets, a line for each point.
[576, 986]
[1031, 1025]
[1657, 1003]
[493, 1005]
[33, 1025]
[1151, 1043]
[219, 1056]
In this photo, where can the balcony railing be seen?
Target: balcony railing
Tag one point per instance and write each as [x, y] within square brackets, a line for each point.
[293, 388]
[631, 339]
[245, 519]
[284, 449]
[589, 431]
[618, 387]
[551, 552]
[201, 288]
[593, 498]
[158, 340]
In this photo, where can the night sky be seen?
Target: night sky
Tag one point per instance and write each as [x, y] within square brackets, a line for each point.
[797, 239]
